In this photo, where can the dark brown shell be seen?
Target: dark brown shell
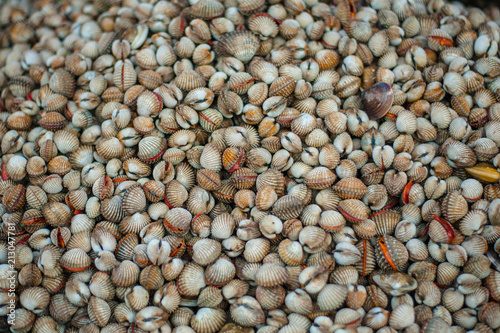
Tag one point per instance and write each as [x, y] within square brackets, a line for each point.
[377, 100]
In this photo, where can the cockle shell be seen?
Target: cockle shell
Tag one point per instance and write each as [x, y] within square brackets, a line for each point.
[239, 44]
[350, 188]
[391, 254]
[353, 210]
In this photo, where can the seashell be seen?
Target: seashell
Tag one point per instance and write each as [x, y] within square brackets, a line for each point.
[14, 198]
[20, 86]
[331, 297]
[62, 82]
[319, 178]
[353, 210]
[391, 254]
[35, 299]
[211, 158]
[454, 207]
[53, 121]
[205, 251]
[350, 188]
[75, 260]
[377, 100]
[124, 75]
[270, 275]
[177, 221]
[288, 207]
[239, 44]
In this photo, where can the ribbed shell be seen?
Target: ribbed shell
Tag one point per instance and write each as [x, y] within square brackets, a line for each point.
[391, 253]
[189, 80]
[151, 148]
[205, 251]
[208, 320]
[270, 275]
[126, 274]
[331, 297]
[62, 82]
[239, 44]
[124, 75]
[99, 311]
[177, 221]
[220, 273]
[353, 210]
[288, 207]
[191, 280]
[75, 260]
[350, 188]
[454, 207]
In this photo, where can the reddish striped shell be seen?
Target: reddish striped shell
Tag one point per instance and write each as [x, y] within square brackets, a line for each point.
[368, 262]
[391, 253]
[354, 210]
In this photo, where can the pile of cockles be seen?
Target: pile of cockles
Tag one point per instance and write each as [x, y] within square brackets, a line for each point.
[249, 166]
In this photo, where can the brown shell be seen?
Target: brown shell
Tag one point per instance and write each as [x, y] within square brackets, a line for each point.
[350, 188]
[391, 253]
[377, 100]
[14, 198]
[53, 121]
[288, 207]
[243, 178]
[239, 44]
[354, 210]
